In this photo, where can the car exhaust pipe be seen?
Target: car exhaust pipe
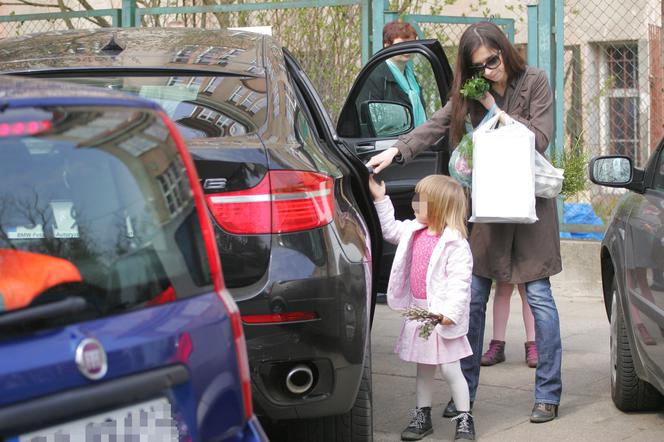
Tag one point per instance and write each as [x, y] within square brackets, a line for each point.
[299, 379]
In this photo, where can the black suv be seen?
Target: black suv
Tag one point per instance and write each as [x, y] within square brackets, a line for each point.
[297, 233]
[632, 257]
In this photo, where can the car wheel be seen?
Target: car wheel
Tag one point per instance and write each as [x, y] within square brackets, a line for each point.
[354, 426]
[628, 392]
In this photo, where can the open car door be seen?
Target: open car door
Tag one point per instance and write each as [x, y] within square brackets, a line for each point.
[378, 110]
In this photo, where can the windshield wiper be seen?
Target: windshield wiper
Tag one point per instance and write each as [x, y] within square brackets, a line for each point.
[64, 307]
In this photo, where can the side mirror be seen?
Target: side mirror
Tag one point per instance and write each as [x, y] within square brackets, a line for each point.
[386, 118]
[611, 171]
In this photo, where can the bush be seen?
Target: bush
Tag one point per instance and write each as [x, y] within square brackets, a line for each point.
[575, 162]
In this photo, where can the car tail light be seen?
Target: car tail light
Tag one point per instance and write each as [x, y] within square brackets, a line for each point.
[280, 317]
[241, 351]
[284, 201]
[184, 348]
[17, 128]
[164, 297]
[215, 267]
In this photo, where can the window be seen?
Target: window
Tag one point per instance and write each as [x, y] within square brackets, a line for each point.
[171, 182]
[212, 85]
[184, 54]
[622, 99]
[207, 114]
[92, 217]
[236, 95]
[194, 103]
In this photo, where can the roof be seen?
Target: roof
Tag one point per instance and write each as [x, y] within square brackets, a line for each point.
[216, 50]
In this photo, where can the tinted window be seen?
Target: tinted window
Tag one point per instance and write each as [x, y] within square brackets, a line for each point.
[201, 106]
[400, 80]
[95, 202]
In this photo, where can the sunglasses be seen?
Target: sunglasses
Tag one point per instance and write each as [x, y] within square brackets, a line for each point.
[491, 63]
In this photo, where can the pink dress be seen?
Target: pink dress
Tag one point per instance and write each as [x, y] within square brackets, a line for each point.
[410, 347]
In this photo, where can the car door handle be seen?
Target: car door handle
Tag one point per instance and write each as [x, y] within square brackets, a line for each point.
[364, 148]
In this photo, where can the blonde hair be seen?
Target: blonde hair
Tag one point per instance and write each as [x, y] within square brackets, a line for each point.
[446, 203]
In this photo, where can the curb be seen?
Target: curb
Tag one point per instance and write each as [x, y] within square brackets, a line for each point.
[581, 275]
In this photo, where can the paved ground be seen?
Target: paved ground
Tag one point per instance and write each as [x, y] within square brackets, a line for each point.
[505, 394]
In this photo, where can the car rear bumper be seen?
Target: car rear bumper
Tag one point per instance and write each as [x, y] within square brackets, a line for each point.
[331, 347]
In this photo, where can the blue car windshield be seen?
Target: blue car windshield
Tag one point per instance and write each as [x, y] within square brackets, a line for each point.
[95, 203]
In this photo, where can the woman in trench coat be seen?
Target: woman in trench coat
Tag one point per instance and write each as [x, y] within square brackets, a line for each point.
[517, 253]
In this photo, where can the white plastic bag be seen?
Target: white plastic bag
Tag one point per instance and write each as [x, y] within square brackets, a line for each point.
[548, 179]
[503, 173]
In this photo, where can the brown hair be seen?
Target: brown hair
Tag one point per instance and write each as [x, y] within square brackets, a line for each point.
[398, 29]
[476, 35]
[446, 203]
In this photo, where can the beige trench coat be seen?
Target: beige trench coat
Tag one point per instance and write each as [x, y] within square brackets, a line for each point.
[508, 252]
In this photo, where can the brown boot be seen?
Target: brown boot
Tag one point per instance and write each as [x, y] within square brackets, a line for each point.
[531, 354]
[495, 354]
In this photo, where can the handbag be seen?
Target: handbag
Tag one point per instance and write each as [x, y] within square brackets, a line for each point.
[503, 188]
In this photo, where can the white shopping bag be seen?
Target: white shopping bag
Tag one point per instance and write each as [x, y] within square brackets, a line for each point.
[548, 178]
[503, 173]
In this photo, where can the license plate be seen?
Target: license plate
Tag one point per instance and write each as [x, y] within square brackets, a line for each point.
[147, 421]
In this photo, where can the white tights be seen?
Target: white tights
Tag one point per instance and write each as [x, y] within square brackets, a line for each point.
[454, 377]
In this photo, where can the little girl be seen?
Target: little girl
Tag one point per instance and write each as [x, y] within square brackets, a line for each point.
[432, 270]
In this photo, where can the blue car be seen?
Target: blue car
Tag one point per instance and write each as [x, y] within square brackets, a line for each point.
[114, 318]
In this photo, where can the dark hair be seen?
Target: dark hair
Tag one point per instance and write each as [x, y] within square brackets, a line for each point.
[398, 29]
[476, 35]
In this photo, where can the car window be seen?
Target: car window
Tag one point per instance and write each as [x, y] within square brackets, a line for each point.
[202, 106]
[95, 202]
[397, 95]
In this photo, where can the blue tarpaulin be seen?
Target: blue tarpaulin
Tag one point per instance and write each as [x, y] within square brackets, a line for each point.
[581, 213]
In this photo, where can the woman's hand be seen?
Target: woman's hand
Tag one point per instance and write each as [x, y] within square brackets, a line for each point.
[503, 117]
[487, 101]
[377, 190]
[383, 159]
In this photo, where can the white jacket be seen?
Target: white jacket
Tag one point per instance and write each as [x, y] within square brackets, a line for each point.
[448, 275]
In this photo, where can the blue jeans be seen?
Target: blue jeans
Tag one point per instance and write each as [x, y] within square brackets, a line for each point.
[548, 381]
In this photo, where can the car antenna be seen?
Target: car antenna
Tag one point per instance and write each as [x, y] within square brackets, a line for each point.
[112, 46]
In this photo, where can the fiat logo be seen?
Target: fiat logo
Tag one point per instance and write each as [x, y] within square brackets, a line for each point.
[91, 359]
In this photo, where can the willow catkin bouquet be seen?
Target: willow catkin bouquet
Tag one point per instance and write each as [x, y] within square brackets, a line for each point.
[429, 320]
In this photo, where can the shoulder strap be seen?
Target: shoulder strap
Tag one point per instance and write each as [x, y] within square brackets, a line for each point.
[517, 88]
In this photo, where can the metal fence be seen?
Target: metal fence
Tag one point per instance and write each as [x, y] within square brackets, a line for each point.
[613, 83]
[21, 24]
[613, 78]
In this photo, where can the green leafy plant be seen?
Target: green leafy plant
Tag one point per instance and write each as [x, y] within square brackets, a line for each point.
[466, 148]
[429, 320]
[575, 162]
[475, 87]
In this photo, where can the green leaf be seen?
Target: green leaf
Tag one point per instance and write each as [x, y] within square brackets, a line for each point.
[475, 88]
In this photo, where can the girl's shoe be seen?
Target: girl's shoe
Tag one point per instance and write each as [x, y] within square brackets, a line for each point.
[531, 354]
[495, 354]
[465, 427]
[419, 426]
[451, 411]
